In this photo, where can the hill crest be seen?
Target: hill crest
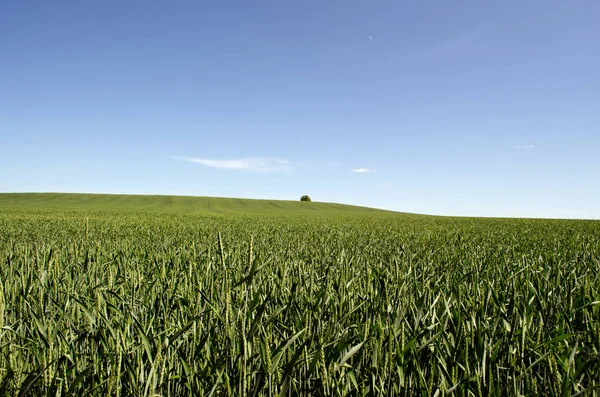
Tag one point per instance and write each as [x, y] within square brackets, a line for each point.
[166, 203]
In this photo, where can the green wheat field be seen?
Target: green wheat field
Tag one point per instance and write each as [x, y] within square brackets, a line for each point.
[111, 295]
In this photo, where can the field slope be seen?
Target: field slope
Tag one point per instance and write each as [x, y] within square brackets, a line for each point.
[105, 295]
[172, 204]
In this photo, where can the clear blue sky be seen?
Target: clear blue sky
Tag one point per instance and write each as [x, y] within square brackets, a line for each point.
[448, 107]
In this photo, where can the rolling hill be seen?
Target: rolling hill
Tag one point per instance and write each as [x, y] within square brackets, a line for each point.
[173, 204]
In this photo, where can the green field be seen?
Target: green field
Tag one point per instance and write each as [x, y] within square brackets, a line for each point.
[173, 296]
[181, 205]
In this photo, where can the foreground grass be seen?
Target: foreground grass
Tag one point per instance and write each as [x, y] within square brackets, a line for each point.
[332, 302]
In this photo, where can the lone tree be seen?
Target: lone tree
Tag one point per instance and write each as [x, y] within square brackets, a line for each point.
[305, 198]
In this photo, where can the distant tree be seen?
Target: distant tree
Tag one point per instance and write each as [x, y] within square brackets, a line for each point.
[305, 198]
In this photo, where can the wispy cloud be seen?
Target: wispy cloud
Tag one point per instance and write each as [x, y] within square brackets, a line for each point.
[524, 147]
[387, 184]
[363, 170]
[370, 37]
[254, 164]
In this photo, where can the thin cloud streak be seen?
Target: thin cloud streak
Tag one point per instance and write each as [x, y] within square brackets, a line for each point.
[524, 147]
[253, 164]
[363, 170]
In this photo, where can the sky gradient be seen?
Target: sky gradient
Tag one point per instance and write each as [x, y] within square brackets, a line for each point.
[437, 107]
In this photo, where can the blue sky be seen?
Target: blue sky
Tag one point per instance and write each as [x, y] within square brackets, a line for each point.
[439, 107]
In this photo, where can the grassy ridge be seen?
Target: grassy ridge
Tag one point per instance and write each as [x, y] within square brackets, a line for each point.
[172, 204]
[202, 302]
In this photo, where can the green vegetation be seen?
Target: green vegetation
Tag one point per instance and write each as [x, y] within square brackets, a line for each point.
[167, 204]
[174, 296]
[305, 198]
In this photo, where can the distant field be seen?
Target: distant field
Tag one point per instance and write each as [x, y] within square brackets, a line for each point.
[172, 296]
[171, 204]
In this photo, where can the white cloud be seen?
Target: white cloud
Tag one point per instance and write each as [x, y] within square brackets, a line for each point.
[370, 37]
[524, 147]
[363, 170]
[255, 164]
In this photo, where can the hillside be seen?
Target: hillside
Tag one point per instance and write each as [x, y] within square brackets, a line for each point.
[188, 296]
[173, 204]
